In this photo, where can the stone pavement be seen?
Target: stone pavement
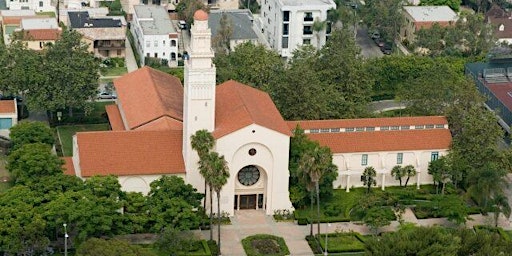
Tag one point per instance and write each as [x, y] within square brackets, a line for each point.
[250, 222]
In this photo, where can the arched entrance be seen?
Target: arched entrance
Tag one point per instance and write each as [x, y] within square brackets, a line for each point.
[250, 188]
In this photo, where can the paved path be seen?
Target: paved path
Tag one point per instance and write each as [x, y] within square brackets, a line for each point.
[131, 63]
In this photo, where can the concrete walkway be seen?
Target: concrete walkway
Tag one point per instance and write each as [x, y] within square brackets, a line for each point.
[131, 63]
[251, 222]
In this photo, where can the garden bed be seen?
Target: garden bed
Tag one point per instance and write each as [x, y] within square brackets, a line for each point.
[264, 244]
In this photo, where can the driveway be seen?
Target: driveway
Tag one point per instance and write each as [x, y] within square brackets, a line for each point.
[368, 48]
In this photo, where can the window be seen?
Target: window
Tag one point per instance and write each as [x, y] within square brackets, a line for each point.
[419, 127]
[399, 158]
[163, 53]
[156, 43]
[173, 43]
[364, 159]
[163, 42]
[147, 55]
[359, 129]
[324, 130]
[156, 55]
[370, 129]
[286, 16]
[284, 42]
[335, 129]
[306, 41]
[328, 28]
[395, 128]
[440, 126]
[285, 29]
[405, 127]
[307, 30]
[40, 3]
[173, 56]
[314, 131]
[350, 129]
[429, 126]
[308, 16]
[384, 128]
[434, 156]
[5, 123]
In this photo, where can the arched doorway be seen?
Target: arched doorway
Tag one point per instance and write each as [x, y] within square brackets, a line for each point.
[250, 188]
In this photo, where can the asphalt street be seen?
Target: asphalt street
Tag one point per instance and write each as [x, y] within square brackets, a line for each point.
[368, 47]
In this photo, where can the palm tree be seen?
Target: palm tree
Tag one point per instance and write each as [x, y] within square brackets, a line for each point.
[410, 171]
[318, 26]
[398, 172]
[314, 163]
[220, 175]
[486, 182]
[368, 177]
[202, 142]
[500, 205]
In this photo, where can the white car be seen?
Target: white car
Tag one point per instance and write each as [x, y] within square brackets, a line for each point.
[107, 96]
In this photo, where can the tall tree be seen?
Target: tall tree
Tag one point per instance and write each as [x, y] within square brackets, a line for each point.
[31, 162]
[220, 175]
[398, 172]
[440, 172]
[70, 75]
[486, 183]
[369, 177]
[410, 171]
[385, 16]
[31, 132]
[203, 142]
[500, 205]
[314, 163]
[222, 41]
[318, 27]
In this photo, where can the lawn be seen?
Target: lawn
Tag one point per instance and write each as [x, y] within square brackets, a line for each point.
[113, 71]
[337, 243]
[49, 14]
[66, 134]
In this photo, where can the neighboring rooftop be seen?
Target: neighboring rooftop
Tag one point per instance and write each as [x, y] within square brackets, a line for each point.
[431, 13]
[7, 106]
[154, 20]
[82, 19]
[39, 23]
[242, 21]
[6, 13]
[307, 3]
[41, 34]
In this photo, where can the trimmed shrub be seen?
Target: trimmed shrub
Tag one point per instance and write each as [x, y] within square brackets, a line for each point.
[342, 242]
[263, 244]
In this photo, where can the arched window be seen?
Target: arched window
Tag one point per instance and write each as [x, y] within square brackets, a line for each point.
[173, 56]
[173, 43]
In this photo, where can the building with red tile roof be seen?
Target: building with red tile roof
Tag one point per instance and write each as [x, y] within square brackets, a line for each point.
[156, 115]
[8, 116]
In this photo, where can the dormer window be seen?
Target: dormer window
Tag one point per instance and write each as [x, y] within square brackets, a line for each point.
[502, 27]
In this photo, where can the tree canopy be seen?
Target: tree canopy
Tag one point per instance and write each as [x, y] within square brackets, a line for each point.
[32, 161]
[31, 132]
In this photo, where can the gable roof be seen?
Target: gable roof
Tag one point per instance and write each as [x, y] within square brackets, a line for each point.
[239, 105]
[41, 34]
[114, 118]
[148, 94]
[367, 122]
[161, 124]
[68, 167]
[347, 142]
[7, 106]
[125, 153]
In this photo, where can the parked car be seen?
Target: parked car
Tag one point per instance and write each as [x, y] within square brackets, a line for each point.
[379, 42]
[107, 96]
[182, 24]
[387, 48]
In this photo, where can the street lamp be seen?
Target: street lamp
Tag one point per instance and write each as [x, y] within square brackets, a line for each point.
[326, 231]
[65, 239]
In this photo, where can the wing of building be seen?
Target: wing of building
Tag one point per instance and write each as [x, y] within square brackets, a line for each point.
[155, 116]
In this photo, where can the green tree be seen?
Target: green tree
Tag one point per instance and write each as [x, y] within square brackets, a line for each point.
[369, 177]
[486, 182]
[318, 27]
[101, 247]
[453, 4]
[222, 41]
[314, 164]
[220, 175]
[398, 172]
[250, 64]
[31, 132]
[440, 172]
[70, 76]
[135, 219]
[384, 16]
[173, 204]
[32, 161]
[500, 205]
[410, 171]
[376, 217]
[203, 142]
[187, 8]
[453, 207]
[172, 242]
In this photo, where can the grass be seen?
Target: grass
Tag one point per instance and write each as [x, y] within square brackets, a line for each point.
[113, 71]
[66, 134]
[49, 14]
[337, 243]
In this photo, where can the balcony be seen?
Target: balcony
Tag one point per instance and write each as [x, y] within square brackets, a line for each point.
[109, 44]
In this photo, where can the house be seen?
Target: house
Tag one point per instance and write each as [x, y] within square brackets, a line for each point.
[8, 116]
[242, 24]
[155, 116]
[423, 17]
[501, 21]
[288, 24]
[154, 34]
[106, 36]
[494, 80]
[93, 12]
[12, 21]
[38, 32]
[36, 5]
[381, 143]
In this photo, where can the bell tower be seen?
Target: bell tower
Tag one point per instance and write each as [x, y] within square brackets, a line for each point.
[199, 91]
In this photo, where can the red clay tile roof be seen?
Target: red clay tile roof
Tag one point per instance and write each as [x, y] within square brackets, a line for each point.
[114, 118]
[346, 142]
[41, 34]
[239, 105]
[501, 91]
[12, 20]
[367, 122]
[7, 106]
[69, 168]
[148, 94]
[130, 153]
[161, 124]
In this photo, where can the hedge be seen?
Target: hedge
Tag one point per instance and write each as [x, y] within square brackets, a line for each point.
[251, 251]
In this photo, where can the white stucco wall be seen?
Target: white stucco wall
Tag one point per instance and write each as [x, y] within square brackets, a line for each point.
[140, 183]
[36, 5]
[272, 153]
[350, 167]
